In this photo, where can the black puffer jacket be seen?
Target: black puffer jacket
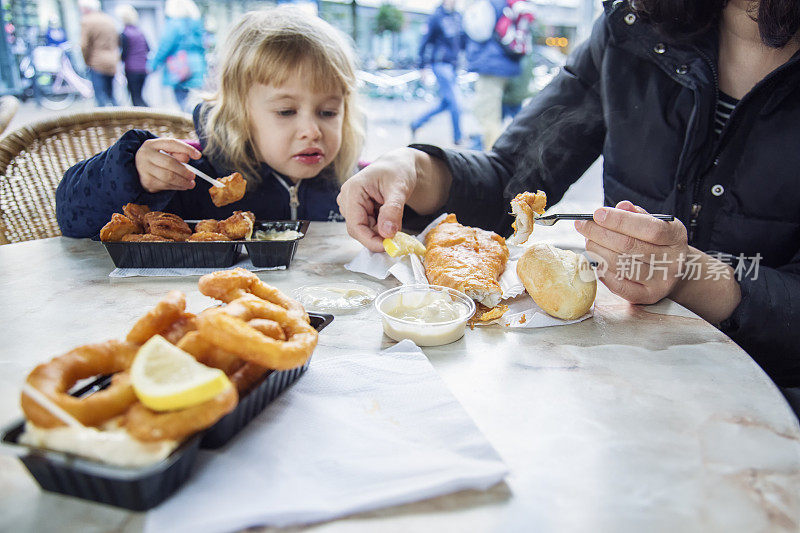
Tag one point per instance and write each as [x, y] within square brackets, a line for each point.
[647, 106]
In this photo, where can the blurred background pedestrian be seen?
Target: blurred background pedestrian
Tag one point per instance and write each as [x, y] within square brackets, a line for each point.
[181, 50]
[441, 47]
[55, 34]
[498, 34]
[518, 89]
[134, 52]
[99, 45]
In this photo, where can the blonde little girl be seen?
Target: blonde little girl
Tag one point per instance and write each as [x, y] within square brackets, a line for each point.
[284, 116]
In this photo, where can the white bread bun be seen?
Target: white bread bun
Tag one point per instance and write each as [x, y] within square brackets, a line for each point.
[560, 281]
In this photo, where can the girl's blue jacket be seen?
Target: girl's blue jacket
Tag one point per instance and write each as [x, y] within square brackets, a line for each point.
[94, 189]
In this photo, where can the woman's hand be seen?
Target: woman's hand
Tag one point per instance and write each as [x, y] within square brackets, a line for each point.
[373, 200]
[162, 172]
[643, 257]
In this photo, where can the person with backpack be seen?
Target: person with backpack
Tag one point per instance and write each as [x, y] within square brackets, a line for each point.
[181, 50]
[440, 48]
[498, 34]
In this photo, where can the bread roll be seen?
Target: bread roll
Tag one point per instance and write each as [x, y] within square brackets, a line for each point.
[560, 281]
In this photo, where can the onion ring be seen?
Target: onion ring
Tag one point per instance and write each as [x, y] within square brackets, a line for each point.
[248, 376]
[56, 377]
[228, 285]
[208, 354]
[146, 425]
[160, 319]
[178, 329]
[231, 332]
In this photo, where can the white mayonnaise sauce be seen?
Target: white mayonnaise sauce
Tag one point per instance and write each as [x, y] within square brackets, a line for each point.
[276, 235]
[427, 317]
[335, 297]
[113, 445]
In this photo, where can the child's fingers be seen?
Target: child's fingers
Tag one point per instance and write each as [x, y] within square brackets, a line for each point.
[164, 180]
[170, 164]
[175, 147]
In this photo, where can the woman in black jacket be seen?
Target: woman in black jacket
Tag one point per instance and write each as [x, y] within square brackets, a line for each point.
[695, 108]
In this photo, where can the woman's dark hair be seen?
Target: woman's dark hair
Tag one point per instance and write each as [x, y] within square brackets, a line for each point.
[778, 20]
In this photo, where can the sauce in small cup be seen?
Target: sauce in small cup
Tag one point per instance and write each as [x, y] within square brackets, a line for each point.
[429, 315]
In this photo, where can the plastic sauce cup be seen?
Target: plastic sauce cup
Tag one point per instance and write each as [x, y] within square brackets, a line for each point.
[423, 333]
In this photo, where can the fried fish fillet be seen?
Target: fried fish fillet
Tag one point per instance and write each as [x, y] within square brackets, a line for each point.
[233, 191]
[467, 259]
[525, 206]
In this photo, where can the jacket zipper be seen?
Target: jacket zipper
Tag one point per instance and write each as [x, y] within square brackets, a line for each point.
[294, 195]
[696, 206]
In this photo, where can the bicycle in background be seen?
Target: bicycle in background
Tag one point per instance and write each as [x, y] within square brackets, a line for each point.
[49, 71]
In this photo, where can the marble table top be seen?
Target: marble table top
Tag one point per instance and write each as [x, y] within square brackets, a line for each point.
[639, 419]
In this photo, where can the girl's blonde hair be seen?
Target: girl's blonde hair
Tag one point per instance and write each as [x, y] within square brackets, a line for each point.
[269, 47]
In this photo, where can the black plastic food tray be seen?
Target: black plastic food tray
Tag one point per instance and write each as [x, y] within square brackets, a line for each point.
[275, 253]
[143, 488]
[137, 489]
[209, 254]
[256, 400]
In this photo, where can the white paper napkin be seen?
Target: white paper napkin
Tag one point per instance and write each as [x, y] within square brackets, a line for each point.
[356, 433]
[244, 262]
[523, 311]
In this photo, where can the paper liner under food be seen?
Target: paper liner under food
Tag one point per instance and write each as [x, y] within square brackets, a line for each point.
[380, 266]
[524, 313]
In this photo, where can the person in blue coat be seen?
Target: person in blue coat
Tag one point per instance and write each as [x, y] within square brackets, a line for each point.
[495, 69]
[440, 48]
[285, 117]
[181, 51]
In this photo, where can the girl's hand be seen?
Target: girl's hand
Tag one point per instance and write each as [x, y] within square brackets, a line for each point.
[162, 172]
[643, 257]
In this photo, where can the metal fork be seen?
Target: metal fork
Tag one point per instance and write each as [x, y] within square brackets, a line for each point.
[549, 220]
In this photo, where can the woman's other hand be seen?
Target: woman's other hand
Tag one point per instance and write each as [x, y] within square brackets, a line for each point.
[164, 172]
[642, 256]
[373, 200]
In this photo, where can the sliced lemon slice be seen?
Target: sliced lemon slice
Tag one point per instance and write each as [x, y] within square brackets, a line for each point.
[402, 244]
[165, 378]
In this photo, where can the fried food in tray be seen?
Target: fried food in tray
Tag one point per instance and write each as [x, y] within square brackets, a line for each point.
[233, 191]
[256, 330]
[467, 259]
[139, 224]
[118, 227]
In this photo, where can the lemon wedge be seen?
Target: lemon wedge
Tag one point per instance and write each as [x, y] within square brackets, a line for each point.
[402, 244]
[165, 378]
